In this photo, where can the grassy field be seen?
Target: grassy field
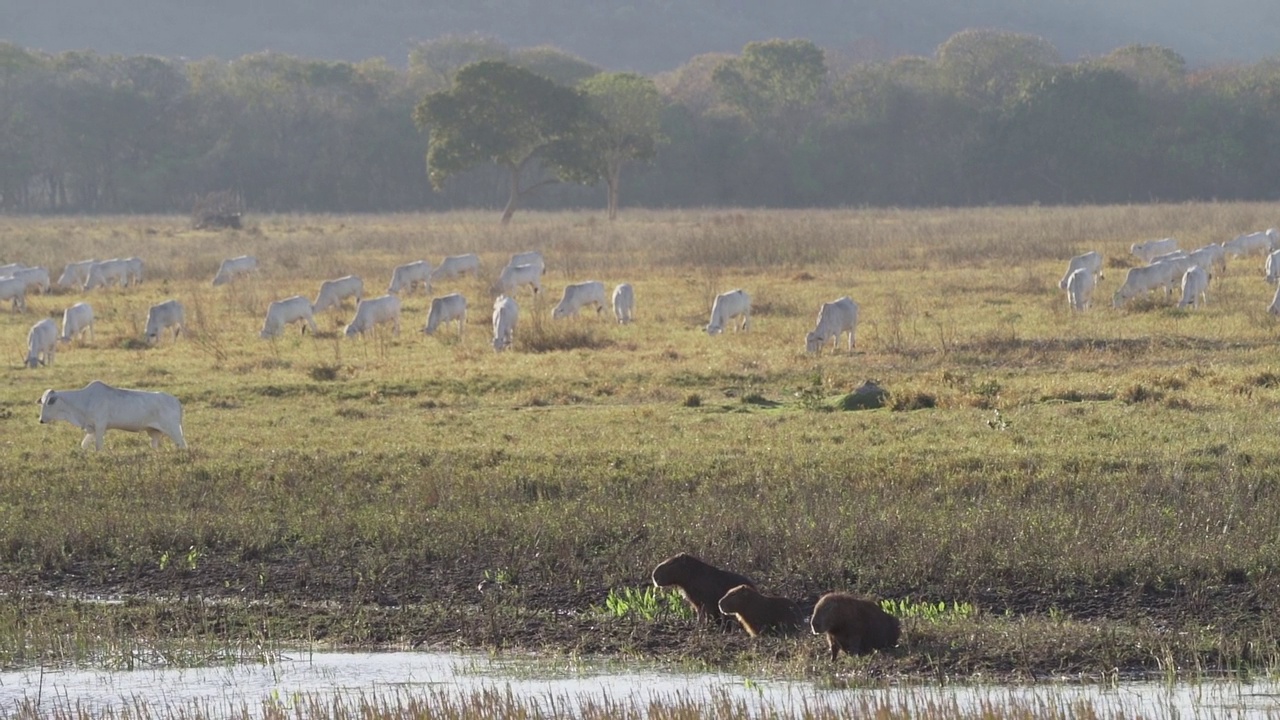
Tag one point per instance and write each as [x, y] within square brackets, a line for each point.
[1100, 486]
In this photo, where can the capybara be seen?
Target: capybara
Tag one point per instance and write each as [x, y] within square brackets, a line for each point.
[854, 625]
[701, 584]
[760, 613]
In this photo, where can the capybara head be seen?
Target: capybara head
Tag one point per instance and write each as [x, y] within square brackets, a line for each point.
[739, 599]
[675, 570]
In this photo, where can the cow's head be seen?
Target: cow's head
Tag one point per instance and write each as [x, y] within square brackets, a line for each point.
[49, 408]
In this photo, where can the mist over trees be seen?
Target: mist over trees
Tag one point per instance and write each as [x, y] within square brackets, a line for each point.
[986, 117]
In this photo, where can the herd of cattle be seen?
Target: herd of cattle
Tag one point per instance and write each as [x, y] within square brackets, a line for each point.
[1170, 268]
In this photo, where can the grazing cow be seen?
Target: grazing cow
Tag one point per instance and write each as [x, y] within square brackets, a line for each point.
[34, 277]
[168, 314]
[531, 257]
[15, 290]
[726, 307]
[284, 312]
[1146, 278]
[1147, 251]
[42, 343]
[834, 318]
[232, 268]
[446, 309]
[98, 407]
[411, 275]
[1263, 241]
[1195, 281]
[333, 292]
[505, 314]
[108, 272]
[76, 320]
[1273, 267]
[75, 274]
[372, 312]
[624, 303]
[1091, 261]
[134, 266]
[513, 276]
[456, 265]
[578, 296]
[1080, 289]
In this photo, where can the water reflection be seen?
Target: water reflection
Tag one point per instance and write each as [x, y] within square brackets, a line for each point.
[352, 678]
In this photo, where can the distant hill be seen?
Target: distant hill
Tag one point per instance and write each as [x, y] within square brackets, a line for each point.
[643, 35]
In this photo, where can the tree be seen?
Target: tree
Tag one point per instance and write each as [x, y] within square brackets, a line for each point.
[988, 67]
[497, 112]
[629, 111]
[771, 80]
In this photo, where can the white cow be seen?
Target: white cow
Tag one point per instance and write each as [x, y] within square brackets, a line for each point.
[375, 311]
[76, 320]
[513, 276]
[42, 343]
[624, 303]
[1195, 281]
[10, 269]
[1146, 278]
[34, 277]
[15, 290]
[333, 292]
[411, 275]
[75, 274]
[1273, 267]
[835, 317]
[1080, 286]
[134, 266]
[456, 265]
[98, 407]
[531, 257]
[1263, 241]
[1091, 261]
[1150, 249]
[168, 314]
[444, 310]
[108, 272]
[284, 312]
[726, 307]
[505, 315]
[578, 296]
[1211, 257]
[231, 268]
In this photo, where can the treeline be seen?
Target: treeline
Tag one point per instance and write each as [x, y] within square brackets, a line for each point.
[991, 117]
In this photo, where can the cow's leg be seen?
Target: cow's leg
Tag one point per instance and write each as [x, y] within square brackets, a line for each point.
[97, 438]
[88, 439]
[155, 438]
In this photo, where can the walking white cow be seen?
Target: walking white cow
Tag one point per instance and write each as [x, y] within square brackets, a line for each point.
[1150, 249]
[456, 265]
[1195, 281]
[15, 290]
[42, 343]
[624, 303]
[372, 312]
[161, 317]
[1091, 261]
[75, 274]
[411, 275]
[98, 407]
[1263, 241]
[513, 276]
[108, 272]
[1080, 286]
[578, 296]
[835, 317]
[505, 315]
[444, 310]
[333, 292]
[232, 268]
[726, 307]
[76, 321]
[287, 311]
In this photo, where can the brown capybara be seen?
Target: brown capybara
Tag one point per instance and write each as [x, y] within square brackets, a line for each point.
[760, 613]
[701, 584]
[854, 625]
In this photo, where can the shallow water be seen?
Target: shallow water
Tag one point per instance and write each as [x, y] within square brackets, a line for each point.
[392, 677]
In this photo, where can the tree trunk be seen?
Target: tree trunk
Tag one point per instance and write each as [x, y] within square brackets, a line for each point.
[514, 198]
[611, 181]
